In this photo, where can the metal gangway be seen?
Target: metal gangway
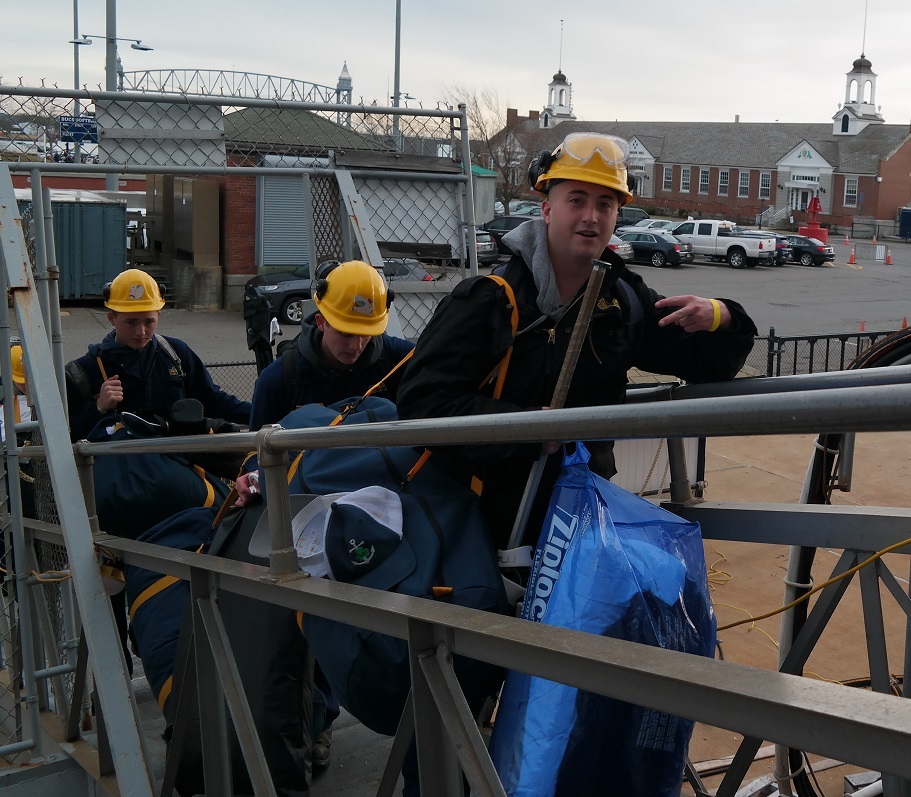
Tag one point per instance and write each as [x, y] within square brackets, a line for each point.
[870, 729]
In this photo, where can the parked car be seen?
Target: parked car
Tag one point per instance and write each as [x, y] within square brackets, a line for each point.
[488, 251]
[810, 251]
[648, 224]
[628, 215]
[501, 225]
[658, 248]
[622, 248]
[498, 208]
[287, 290]
[782, 244]
[522, 205]
[529, 209]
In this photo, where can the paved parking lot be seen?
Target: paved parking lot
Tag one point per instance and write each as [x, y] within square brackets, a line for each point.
[803, 300]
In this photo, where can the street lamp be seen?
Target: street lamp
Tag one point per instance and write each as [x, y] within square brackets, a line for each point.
[86, 38]
[110, 61]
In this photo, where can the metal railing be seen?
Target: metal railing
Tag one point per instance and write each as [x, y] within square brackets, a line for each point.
[867, 729]
[812, 354]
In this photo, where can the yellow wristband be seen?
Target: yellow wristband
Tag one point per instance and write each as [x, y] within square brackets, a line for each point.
[716, 318]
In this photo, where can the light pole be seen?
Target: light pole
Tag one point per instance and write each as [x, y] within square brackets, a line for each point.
[110, 61]
[77, 154]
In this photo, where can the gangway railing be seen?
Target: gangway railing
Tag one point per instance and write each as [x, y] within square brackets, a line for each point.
[867, 729]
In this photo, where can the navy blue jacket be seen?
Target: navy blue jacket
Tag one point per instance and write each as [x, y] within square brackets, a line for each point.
[151, 381]
[320, 384]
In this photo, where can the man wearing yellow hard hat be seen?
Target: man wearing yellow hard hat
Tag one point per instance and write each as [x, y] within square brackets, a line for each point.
[137, 370]
[342, 351]
[21, 409]
[584, 182]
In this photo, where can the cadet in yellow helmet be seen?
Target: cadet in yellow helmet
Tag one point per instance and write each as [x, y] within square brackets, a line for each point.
[21, 409]
[584, 182]
[342, 351]
[137, 370]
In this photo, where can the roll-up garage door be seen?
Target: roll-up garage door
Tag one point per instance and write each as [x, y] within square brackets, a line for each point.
[281, 230]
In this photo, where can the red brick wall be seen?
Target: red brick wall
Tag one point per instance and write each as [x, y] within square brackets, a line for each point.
[895, 189]
[237, 201]
[78, 182]
[709, 205]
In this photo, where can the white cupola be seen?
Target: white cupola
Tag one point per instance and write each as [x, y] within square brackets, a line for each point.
[559, 106]
[859, 108]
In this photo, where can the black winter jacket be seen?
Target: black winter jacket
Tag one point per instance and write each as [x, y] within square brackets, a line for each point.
[470, 332]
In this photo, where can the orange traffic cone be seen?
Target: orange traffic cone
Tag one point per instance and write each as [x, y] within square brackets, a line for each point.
[888, 257]
[847, 242]
[905, 322]
[874, 240]
[851, 260]
[863, 326]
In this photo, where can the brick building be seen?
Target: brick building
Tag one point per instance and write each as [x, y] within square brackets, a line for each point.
[858, 166]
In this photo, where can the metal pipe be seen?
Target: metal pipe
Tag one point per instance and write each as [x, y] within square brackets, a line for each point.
[274, 462]
[468, 204]
[52, 315]
[27, 616]
[52, 672]
[281, 171]
[39, 230]
[238, 102]
[877, 408]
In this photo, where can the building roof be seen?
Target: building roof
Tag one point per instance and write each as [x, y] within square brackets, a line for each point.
[283, 130]
[755, 145]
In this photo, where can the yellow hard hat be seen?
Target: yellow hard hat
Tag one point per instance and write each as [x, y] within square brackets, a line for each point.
[352, 297]
[15, 354]
[132, 291]
[590, 157]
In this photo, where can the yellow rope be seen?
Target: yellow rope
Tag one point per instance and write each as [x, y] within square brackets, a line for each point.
[849, 572]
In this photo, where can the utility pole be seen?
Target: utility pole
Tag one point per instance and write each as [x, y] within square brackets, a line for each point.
[111, 181]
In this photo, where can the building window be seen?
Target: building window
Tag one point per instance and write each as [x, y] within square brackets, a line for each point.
[850, 192]
[703, 181]
[743, 186]
[685, 179]
[844, 123]
[723, 178]
[668, 178]
[765, 185]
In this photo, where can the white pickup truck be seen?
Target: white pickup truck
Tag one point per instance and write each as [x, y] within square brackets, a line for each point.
[717, 240]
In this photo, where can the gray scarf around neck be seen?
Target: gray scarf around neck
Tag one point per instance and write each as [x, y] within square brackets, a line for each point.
[529, 241]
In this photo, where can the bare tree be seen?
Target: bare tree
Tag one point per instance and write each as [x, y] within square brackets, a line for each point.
[499, 142]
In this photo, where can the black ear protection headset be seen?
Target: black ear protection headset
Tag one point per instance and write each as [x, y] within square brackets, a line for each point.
[106, 290]
[539, 165]
[321, 282]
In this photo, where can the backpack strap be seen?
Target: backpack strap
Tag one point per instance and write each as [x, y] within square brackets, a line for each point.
[169, 350]
[501, 367]
[498, 373]
[291, 378]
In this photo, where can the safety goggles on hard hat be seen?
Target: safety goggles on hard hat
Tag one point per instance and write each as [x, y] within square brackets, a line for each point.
[613, 150]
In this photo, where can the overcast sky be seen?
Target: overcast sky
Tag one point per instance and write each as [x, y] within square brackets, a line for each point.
[648, 60]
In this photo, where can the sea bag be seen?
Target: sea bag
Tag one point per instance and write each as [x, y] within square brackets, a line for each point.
[611, 563]
[454, 562]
